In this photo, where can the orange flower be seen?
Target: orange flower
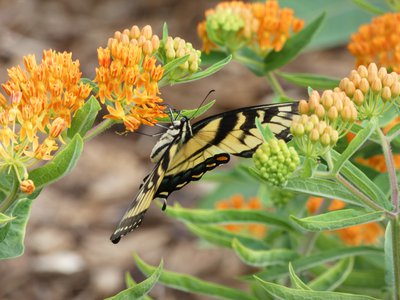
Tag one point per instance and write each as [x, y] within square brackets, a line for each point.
[43, 98]
[378, 162]
[128, 77]
[355, 235]
[378, 42]
[238, 202]
[260, 26]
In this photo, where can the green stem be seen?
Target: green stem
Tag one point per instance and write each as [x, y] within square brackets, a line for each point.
[100, 128]
[11, 197]
[395, 226]
[275, 85]
[387, 152]
[364, 198]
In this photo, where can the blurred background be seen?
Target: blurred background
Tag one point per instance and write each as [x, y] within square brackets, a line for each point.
[68, 253]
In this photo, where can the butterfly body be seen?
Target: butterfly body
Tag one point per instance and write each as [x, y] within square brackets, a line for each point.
[185, 152]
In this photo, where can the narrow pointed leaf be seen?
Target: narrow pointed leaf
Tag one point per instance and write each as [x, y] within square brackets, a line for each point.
[310, 80]
[338, 219]
[305, 263]
[191, 284]
[205, 73]
[325, 188]
[221, 237]
[334, 276]
[263, 258]
[389, 263]
[369, 7]
[359, 140]
[296, 281]
[293, 46]
[227, 216]
[12, 244]
[362, 181]
[84, 118]
[140, 290]
[172, 65]
[61, 164]
[282, 292]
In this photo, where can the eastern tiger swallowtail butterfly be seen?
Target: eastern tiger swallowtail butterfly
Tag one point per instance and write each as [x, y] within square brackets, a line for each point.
[185, 152]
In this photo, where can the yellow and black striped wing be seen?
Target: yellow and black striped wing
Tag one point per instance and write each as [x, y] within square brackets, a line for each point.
[134, 215]
[215, 138]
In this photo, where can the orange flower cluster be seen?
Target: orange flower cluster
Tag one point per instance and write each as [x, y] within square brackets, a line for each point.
[42, 101]
[366, 234]
[261, 26]
[238, 202]
[378, 42]
[128, 77]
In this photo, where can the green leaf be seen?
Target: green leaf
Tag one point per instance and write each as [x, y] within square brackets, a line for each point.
[212, 57]
[222, 237]
[263, 258]
[265, 131]
[361, 137]
[13, 243]
[334, 276]
[140, 290]
[191, 284]
[172, 65]
[227, 216]
[296, 281]
[310, 80]
[322, 188]
[189, 113]
[282, 292]
[165, 32]
[359, 179]
[84, 118]
[368, 7]
[205, 73]
[293, 46]
[389, 263]
[338, 219]
[62, 164]
[316, 259]
[4, 219]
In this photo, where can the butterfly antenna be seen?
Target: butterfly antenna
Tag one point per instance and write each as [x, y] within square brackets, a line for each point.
[202, 102]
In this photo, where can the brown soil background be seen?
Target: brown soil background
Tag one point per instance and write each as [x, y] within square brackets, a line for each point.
[68, 253]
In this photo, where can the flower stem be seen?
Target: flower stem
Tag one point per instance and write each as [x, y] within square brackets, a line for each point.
[275, 85]
[100, 128]
[11, 197]
[364, 198]
[395, 226]
[387, 152]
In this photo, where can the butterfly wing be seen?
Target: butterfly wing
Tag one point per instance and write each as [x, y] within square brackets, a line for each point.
[215, 138]
[134, 215]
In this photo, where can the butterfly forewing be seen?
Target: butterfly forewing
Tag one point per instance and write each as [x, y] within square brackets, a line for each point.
[201, 148]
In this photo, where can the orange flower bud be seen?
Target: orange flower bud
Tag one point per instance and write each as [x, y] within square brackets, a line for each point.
[346, 113]
[395, 89]
[388, 80]
[358, 97]
[314, 135]
[363, 71]
[135, 32]
[58, 125]
[386, 94]
[320, 111]
[308, 126]
[303, 107]
[332, 113]
[27, 186]
[321, 126]
[147, 32]
[376, 85]
[382, 73]
[364, 85]
[325, 139]
[350, 89]
[334, 135]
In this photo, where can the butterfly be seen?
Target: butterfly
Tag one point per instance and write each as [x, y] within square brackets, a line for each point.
[185, 152]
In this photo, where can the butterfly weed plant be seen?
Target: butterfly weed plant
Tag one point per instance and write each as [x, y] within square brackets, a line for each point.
[323, 217]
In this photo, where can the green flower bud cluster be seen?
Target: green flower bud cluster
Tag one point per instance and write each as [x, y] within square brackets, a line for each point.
[280, 197]
[276, 161]
[372, 90]
[175, 48]
[225, 27]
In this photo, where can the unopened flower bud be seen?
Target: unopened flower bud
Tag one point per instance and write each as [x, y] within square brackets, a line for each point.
[334, 135]
[303, 107]
[395, 89]
[327, 100]
[346, 113]
[320, 111]
[135, 32]
[358, 97]
[350, 89]
[314, 135]
[382, 72]
[343, 83]
[314, 119]
[325, 139]
[27, 186]
[308, 126]
[155, 42]
[376, 85]
[386, 94]
[147, 32]
[321, 126]
[332, 113]
[364, 85]
[363, 71]
[58, 125]
[147, 47]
